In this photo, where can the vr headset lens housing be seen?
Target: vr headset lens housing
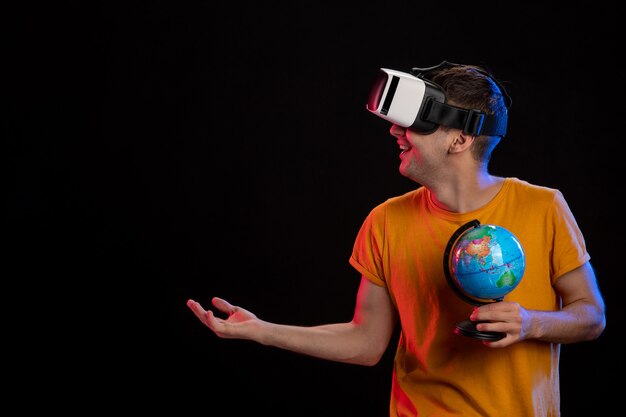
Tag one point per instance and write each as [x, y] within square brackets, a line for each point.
[401, 99]
[420, 105]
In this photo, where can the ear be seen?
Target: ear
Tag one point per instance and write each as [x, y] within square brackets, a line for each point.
[461, 142]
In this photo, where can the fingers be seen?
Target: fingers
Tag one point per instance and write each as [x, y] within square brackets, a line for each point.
[219, 303]
[498, 344]
[502, 317]
[497, 326]
[207, 315]
[500, 311]
[226, 327]
[198, 310]
[223, 305]
[508, 339]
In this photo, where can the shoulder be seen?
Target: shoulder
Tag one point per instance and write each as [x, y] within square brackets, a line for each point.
[401, 203]
[407, 199]
[536, 199]
[524, 189]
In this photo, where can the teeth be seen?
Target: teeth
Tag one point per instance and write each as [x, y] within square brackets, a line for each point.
[403, 147]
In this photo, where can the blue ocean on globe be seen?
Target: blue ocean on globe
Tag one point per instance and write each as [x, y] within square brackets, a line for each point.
[487, 262]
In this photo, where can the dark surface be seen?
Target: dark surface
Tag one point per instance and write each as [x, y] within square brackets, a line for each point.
[158, 152]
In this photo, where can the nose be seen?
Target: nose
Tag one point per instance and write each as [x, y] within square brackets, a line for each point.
[397, 131]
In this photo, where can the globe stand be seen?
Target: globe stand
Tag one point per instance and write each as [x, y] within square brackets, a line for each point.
[466, 327]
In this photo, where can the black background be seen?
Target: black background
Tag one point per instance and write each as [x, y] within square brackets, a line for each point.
[161, 151]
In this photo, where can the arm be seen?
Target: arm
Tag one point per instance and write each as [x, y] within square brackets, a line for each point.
[361, 341]
[581, 318]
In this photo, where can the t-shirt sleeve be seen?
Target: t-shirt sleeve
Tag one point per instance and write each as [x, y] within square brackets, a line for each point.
[368, 249]
[570, 250]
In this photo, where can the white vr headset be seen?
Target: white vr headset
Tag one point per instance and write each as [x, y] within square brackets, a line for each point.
[413, 102]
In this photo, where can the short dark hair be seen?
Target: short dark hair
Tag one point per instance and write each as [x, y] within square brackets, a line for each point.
[472, 87]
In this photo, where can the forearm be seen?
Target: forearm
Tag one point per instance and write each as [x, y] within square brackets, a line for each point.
[341, 342]
[576, 322]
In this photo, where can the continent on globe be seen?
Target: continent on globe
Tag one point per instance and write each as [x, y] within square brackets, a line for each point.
[507, 279]
[479, 248]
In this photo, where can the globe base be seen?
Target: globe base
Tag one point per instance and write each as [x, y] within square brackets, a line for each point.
[468, 328]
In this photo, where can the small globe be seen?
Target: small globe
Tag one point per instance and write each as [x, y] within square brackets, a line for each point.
[486, 263]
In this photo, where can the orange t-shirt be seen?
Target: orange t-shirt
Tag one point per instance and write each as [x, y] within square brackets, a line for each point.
[436, 372]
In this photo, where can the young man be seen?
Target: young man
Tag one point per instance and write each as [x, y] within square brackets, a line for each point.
[446, 121]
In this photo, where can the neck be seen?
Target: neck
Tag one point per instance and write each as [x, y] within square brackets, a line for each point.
[466, 192]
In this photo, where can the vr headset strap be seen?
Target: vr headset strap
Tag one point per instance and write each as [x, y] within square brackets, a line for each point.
[470, 121]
